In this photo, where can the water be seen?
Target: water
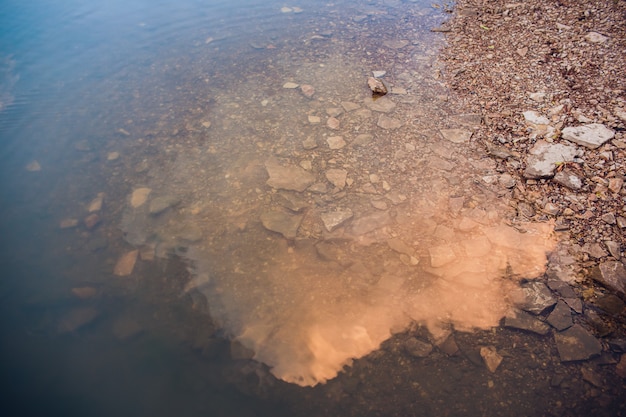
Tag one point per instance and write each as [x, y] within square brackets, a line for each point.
[251, 293]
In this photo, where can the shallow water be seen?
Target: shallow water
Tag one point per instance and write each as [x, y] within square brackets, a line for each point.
[184, 233]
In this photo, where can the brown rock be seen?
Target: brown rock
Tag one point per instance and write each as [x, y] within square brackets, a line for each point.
[84, 292]
[91, 221]
[126, 263]
[377, 86]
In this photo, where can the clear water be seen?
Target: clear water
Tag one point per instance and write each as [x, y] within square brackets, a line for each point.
[227, 311]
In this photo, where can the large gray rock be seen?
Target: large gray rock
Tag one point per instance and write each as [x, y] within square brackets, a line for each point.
[577, 344]
[544, 158]
[590, 136]
[561, 317]
[521, 320]
[538, 297]
[612, 274]
[334, 219]
[289, 177]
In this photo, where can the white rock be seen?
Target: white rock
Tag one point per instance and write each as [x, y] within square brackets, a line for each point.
[379, 74]
[456, 135]
[291, 85]
[595, 37]
[535, 118]
[590, 136]
[337, 177]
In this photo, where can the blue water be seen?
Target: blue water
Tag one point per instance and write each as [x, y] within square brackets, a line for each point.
[186, 97]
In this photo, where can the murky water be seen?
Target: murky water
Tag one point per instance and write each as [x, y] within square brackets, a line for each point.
[204, 209]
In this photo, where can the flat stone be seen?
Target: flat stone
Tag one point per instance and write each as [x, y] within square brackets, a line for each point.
[291, 202]
[590, 136]
[417, 348]
[307, 90]
[126, 263]
[569, 179]
[349, 106]
[309, 143]
[371, 222]
[538, 297]
[561, 317]
[96, 203]
[289, 177]
[162, 203]
[448, 345]
[33, 166]
[611, 304]
[577, 344]
[284, 223]
[337, 177]
[381, 104]
[523, 321]
[595, 37]
[399, 246]
[336, 142]
[456, 135]
[491, 357]
[68, 223]
[396, 43]
[190, 233]
[334, 219]
[611, 274]
[388, 123]
[562, 288]
[379, 74]
[84, 292]
[535, 118]
[333, 123]
[92, 220]
[290, 85]
[314, 119]
[441, 255]
[139, 197]
[595, 250]
[614, 248]
[363, 139]
[544, 158]
[76, 319]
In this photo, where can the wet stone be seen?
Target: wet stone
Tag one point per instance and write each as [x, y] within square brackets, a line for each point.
[448, 346]
[33, 166]
[491, 357]
[84, 292]
[577, 344]
[441, 255]
[382, 104]
[377, 86]
[562, 288]
[92, 221]
[399, 246]
[307, 90]
[68, 223]
[417, 348]
[456, 135]
[569, 179]
[337, 177]
[290, 177]
[76, 319]
[139, 197]
[96, 204]
[332, 123]
[160, 204]
[521, 320]
[284, 223]
[611, 274]
[590, 136]
[349, 106]
[126, 263]
[190, 233]
[291, 202]
[336, 142]
[371, 222]
[363, 139]
[538, 297]
[561, 317]
[309, 143]
[388, 123]
[334, 219]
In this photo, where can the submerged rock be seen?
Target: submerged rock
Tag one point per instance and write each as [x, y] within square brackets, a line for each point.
[417, 348]
[284, 223]
[377, 86]
[577, 344]
[611, 274]
[126, 263]
[334, 219]
[523, 321]
[76, 319]
[290, 177]
[491, 357]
